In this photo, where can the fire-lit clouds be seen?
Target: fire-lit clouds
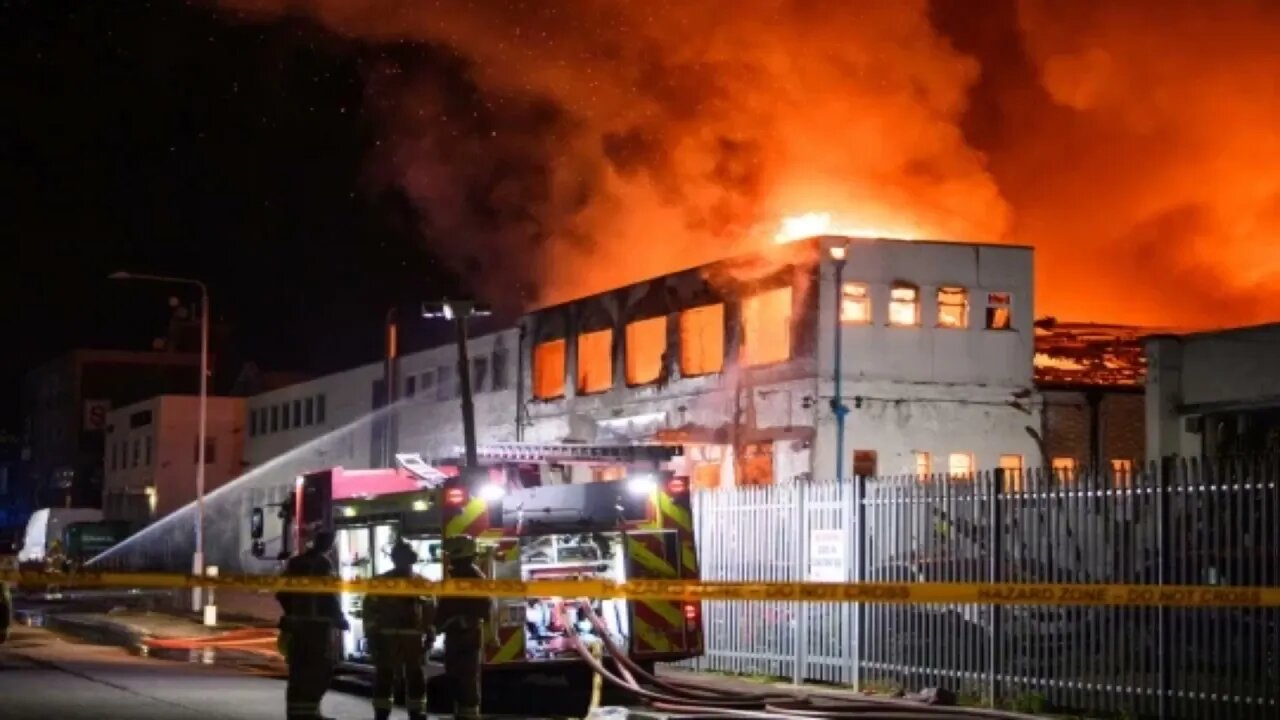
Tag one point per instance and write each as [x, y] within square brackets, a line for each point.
[561, 148]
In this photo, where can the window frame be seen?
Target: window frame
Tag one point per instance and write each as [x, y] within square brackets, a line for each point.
[995, 301]
[963, 306]
[686, 317]
[580, 381]
[562, 386]
[848, 299]
[914, 304]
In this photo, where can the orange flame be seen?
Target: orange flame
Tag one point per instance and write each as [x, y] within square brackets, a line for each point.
[815, 224]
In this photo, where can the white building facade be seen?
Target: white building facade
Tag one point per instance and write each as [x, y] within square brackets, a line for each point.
[1213, 394]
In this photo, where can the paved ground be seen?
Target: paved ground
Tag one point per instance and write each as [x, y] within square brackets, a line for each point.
[44, 675]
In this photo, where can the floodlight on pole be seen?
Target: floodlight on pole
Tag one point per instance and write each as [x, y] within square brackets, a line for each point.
[459, 312]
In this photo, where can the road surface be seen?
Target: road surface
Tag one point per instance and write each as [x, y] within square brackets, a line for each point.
[46, 676]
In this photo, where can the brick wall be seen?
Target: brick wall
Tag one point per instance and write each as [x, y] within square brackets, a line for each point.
[1067, 425]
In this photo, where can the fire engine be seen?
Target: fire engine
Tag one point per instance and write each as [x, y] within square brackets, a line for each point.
[536, 512]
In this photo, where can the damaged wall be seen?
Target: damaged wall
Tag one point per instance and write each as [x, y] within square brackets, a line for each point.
[734, 367]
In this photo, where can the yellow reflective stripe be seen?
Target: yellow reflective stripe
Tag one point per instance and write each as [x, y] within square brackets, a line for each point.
[459, 523]
[668, 611]
[654, 639]
[689, 557]
[509, 649]
[678, 515]
[645, 557]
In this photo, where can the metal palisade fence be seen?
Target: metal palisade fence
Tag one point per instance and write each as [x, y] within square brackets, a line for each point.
[1184, 523]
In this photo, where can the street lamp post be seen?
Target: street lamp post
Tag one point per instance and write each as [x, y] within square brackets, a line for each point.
[459, 311]
[838, 256]
[197, 559]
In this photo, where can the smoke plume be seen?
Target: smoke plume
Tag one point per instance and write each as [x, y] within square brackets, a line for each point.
[560, 148]
[1148, 180]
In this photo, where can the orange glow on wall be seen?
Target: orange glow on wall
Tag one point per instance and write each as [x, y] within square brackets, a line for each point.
[702, 340]
[766, 327]
[548, 370]
[595, 361]
[646, 343]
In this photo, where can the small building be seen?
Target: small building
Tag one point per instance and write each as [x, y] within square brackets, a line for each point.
[151, 450]
[736, 360]
[65, 404]
[1214, 394]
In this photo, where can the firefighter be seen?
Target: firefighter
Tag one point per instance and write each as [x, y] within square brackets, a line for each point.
[6, 611]
[309, 630]
[400, 631]
[463, 621]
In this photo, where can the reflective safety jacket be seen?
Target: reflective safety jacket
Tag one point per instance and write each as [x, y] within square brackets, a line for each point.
[398, 613]
[310, 607]
[463, 612]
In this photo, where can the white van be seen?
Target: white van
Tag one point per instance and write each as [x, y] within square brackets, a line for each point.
[46, 527]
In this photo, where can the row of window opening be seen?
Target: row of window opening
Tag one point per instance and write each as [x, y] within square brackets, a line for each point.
[905, 311]
[290, 414]
[489, 373]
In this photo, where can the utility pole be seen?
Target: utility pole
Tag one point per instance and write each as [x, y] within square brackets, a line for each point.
[838, 255]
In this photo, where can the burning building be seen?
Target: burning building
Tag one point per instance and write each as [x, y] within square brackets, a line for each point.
[737, 360]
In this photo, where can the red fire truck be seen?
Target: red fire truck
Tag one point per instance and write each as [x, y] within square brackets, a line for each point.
[537, 512]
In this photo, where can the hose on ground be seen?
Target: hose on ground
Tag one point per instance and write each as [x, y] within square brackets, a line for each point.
[697, 703]
[623, 660]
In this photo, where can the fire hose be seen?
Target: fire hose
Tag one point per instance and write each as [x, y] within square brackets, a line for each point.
[682, 698]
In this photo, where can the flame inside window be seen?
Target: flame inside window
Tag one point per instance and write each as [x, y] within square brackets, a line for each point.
[702, 340]
[646, 343]
[595, 361]
[904, 305]
[766, 327]
[855, 304]
[999, 316]
[953, 307]
[548, 370]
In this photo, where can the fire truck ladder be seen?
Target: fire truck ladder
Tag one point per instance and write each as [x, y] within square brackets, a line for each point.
[569, 452]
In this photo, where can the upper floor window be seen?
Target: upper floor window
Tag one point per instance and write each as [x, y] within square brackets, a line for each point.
[766, 327]
[284, 417]
[702, 340]
[309, 411]
[297, 413]
[411, 386]
[548, 369]
[999, 312]
[320, 408]
[253, 423]
[646, 345]
[275, 418]
[595, 361]
[953, 307]
[427, 381]
[904, 305]
[855, 303]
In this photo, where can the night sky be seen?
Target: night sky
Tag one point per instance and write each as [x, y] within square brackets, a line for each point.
[155, 137]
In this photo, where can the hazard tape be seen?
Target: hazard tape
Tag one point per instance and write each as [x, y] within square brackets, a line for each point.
[693, 590]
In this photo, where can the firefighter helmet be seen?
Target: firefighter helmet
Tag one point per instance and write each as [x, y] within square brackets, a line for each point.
[403, 554]
[460, 547]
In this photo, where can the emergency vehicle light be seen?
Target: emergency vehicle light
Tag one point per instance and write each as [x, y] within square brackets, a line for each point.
[641, 485]
[455, 496]
[677, 486]
[690, 612]
[491, 492]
